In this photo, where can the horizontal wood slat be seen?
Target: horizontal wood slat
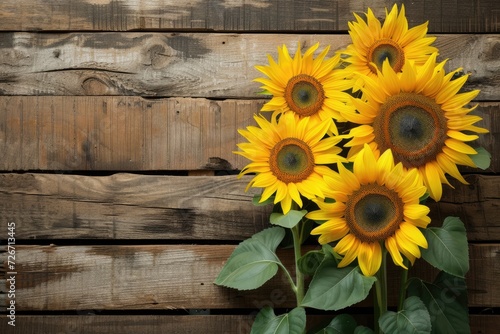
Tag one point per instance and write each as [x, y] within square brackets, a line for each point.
[146, 277]
[189, 64]
[250, 15]
[122, 133]
[182, 324]
[129, 206]
[125, 133]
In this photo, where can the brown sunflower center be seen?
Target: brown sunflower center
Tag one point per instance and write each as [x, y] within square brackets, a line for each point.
[384, 49]
[374, 212]
[413, 126]
[291, 160]
[304, 94]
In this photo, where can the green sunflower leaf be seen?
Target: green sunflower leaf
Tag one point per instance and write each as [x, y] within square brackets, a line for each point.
[310, 261]
[482, 159]
[267, 322]
[292, 218]
[341, 324]
[446, 301]
[253, 262]
[335, 288]
[413, 318]
[448, 248]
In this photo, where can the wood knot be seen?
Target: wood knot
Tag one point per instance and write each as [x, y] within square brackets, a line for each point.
[216, 163]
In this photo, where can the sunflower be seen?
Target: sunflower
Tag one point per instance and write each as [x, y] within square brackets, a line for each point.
[289, 157]
[420, 116]
[373, 43]
[376, 205]
[305, 85]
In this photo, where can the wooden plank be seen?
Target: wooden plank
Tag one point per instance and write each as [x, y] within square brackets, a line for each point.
[122, 133]
[189, 64]
[130, 206]
[475, 204]
[125, 133]
[147, 277]
[178, 324]
[255, 15]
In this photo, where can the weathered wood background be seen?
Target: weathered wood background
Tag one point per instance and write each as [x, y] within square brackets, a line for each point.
[117, 124]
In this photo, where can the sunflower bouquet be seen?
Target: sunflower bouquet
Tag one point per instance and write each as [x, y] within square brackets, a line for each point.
[350, 149]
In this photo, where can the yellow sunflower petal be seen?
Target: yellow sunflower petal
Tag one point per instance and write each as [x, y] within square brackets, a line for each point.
[335, 233]
[328, 212]
[406, 253]
[392, 248]
[384, 163]
[281, 192]
[365, 166]
[459, 146]
[349, 179]
[458, 157]
[450, 89]
[459, 100]
[369, 258]
[461, 136]
[413, 234]
[391, 80]
[415, 211]
[448, 166]
[268, 192]
[294, 193]
[433, 180]
[286, 203]
[408, 78]
[347, 246]
[406, 246]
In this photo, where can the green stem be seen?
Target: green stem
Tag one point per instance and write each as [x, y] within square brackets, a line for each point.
[289, 277]
[402, 288]
[381, 292]
[299, 277]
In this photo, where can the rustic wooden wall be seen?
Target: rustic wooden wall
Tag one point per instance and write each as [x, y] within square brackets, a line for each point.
[117, 124]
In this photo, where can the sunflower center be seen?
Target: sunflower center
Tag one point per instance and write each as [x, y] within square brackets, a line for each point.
[374, 212]
[384, 49]
[413, 126]
[304, 94]
[291, 160]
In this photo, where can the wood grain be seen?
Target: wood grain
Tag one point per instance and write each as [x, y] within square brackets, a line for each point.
[209, 65]
[228, 15]
[91, 322]
[146, 277]
[121, 133]
[130, 206]
[101, 87]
